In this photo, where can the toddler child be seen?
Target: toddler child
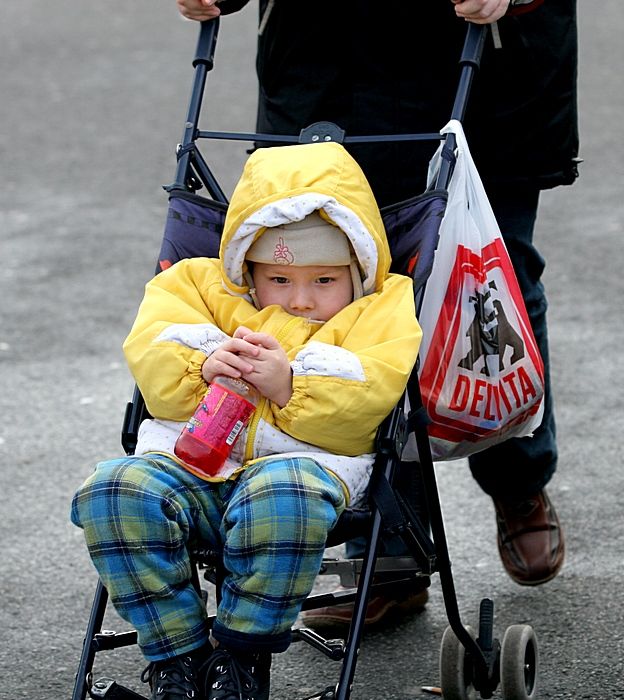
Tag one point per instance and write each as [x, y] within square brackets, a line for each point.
[300, 304]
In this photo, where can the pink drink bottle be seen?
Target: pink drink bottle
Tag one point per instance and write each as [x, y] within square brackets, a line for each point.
[209, 436]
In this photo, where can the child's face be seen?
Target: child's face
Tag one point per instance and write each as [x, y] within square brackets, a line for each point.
[314, 292]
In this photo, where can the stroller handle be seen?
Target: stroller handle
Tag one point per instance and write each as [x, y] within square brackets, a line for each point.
[203, 62]
[206, 43]
[470, 61]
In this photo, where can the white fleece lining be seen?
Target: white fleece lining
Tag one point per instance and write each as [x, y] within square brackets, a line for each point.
[159, 436]
[205, 337]
[285, 211]
[324, 360]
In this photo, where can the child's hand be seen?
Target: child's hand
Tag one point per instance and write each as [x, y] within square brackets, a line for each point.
[230, 360]
[270, 369]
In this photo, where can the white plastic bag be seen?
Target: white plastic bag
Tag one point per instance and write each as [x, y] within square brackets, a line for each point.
[481, 373]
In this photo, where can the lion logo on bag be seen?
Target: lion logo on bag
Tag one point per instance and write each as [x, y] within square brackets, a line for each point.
[490, 334]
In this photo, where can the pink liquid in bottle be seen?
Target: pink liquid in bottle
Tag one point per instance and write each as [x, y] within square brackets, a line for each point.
[210, 434]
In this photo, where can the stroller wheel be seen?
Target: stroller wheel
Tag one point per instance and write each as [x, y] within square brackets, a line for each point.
[519, 663]
[455, 673]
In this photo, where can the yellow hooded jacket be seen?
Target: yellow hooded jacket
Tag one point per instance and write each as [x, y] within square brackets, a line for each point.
[348, 373]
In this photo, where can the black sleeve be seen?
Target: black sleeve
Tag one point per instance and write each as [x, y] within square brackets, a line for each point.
[229, 6]
[519, 7]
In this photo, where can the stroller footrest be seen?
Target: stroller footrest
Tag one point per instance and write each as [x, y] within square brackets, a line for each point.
[349, 569]
[107, 640]
[108, 689]
[332, 648]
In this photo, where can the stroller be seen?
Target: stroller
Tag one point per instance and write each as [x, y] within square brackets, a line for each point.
[403, 497]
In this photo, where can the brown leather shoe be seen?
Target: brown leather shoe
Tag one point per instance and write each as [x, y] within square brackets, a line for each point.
[530, 539]
[379, 608]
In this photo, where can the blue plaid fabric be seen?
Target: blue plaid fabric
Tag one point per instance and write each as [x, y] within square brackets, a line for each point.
[139, 514]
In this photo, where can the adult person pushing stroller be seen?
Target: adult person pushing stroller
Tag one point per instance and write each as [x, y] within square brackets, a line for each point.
[522, 127]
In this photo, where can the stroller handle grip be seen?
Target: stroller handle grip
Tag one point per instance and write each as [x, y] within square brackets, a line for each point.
[473, 44]
[206, 43]
[470, 62]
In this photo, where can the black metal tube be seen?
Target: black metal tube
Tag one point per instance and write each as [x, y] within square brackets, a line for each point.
[447, 163]
[439, 539]
[206, 176]
[347, 671]
[88, 652]
[203, 63]
[470, 61]
[389, 429]
[289, 138]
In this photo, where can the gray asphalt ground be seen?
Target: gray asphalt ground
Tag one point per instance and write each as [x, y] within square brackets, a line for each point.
[92, 102]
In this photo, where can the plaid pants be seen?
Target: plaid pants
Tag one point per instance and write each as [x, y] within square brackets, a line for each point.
[139, 514]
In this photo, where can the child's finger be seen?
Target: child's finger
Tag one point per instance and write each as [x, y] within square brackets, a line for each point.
[238, 345]
[234, 364]
[262, 339]
[242, 331]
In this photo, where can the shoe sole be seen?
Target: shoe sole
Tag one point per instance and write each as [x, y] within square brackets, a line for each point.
[536, 582]
[412, 605]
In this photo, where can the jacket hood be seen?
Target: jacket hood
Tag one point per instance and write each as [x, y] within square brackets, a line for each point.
[284, 184]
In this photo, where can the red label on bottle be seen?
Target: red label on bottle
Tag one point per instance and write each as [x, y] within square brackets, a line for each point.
[208, 437]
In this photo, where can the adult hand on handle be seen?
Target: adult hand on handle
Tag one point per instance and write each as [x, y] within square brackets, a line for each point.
[199, 10]
[481, 11]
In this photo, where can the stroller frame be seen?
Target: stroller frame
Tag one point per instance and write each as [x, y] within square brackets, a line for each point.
[467, 660]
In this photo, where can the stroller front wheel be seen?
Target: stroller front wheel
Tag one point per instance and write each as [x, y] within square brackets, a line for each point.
[455, 673]
[519, 663]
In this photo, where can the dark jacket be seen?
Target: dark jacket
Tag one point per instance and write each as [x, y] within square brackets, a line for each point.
[396, 71]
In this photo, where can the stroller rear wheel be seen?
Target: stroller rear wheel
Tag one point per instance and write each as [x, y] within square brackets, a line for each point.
[455, 673]
[519, 663]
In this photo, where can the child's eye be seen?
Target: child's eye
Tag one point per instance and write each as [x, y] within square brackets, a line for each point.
[325, 280]
[279, 280]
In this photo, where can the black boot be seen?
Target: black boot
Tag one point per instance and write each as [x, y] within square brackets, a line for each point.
[179, 676]
[234, 675]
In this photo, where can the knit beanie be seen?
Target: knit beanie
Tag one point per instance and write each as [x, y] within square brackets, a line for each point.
[311, 241]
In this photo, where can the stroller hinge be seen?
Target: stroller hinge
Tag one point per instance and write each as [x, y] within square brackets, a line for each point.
[320, 132]
[392, 434]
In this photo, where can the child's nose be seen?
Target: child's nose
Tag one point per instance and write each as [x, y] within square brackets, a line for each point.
[301, 299]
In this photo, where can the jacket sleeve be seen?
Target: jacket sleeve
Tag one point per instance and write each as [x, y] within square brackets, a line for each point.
[343, 387]
[172, 335]
[227, 7]
[521, 6]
